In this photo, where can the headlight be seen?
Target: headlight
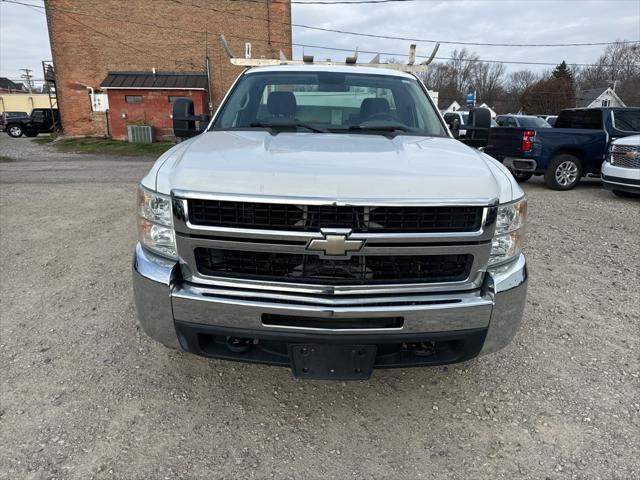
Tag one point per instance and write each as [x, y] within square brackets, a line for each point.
[509, 235]
[155, 223]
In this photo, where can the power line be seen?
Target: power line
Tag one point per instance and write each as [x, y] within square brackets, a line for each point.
[386, 37]
[146, 24]
[409, 39]
[346, 2]
[477, 60]
[477, 44]
[68, 13]
[192, 64]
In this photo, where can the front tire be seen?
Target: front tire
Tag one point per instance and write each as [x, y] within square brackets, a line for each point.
[14, 130]
[521, 177]
[564, 172]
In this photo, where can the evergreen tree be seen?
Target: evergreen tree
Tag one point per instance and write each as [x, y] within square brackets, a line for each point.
[562, 71]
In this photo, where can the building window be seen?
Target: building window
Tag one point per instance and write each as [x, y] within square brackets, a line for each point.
[173, 98]
[133, 98]
[606, 103]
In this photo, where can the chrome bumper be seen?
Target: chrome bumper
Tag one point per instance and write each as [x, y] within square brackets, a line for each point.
[162, 298]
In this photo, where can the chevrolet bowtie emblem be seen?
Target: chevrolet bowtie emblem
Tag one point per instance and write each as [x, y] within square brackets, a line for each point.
[633, 154]
[335, 244]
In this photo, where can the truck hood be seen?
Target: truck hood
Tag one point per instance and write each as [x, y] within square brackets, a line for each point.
[338, 167]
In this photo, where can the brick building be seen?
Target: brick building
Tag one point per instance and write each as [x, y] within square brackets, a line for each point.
[146, 98]
[90, 38]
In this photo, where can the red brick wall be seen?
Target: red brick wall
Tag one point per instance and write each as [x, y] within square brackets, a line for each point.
[155, 110]
[91, 37]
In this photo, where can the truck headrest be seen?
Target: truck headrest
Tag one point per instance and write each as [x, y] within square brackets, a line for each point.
[282, 104]
[371, 106]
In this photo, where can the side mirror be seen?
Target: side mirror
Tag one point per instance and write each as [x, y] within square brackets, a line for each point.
[184, 121]
[478, 128]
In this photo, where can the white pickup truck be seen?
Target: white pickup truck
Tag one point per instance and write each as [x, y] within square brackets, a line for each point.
[327, 220]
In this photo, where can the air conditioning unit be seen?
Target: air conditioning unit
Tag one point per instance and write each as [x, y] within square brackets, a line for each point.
[140, 133]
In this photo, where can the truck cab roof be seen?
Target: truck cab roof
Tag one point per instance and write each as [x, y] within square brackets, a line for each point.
[338, 68]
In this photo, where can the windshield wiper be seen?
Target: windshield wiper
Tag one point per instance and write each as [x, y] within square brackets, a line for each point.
[385, 127]
[288, 124]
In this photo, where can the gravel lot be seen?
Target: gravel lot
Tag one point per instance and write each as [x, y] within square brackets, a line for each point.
[85, 394]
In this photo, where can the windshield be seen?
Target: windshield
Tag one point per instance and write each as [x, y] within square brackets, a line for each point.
[465, 118]
[330, 102]
[533, 122]
[627, 120]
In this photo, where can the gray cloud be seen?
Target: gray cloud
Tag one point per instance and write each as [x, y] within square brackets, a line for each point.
[24, 41]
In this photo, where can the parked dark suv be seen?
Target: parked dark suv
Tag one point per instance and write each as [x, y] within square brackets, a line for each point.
[6, 117]
[41, 120]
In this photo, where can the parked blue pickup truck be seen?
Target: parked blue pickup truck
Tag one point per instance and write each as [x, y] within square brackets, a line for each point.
[576, 146]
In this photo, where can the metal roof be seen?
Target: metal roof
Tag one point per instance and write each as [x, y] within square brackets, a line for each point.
[157, 80]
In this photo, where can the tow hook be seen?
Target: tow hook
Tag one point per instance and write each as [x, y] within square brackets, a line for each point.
[239, 345]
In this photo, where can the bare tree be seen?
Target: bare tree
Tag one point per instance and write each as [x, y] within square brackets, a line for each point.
[452, 79]
[618, 65]
[487, 80]
[461, 68]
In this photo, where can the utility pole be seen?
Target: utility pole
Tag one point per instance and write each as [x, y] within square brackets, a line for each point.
[27, 78]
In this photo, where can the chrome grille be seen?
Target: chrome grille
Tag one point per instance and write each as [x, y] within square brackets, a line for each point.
[289, 267]
[236, 242]
[626, 156]
[215, 213]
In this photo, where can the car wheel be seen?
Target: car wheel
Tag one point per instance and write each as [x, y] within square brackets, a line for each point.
[564, 172]
[14, 131]
[521, 177]
[30, 134]
[622, 194]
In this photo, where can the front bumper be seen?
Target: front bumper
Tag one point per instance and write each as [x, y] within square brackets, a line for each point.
[520, 164]
[198, 319]
[620, 178]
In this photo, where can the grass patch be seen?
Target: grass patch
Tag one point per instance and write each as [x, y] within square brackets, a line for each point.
[110, 147]
[5, 159]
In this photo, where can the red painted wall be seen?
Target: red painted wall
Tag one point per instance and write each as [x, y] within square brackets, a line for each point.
[155, 110]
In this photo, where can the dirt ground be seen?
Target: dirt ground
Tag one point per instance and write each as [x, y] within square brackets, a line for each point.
[86, 395]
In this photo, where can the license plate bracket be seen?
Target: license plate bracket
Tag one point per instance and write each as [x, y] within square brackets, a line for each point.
[332, 362]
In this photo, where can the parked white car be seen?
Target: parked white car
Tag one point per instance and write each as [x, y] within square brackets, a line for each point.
[461, 117]
[621, 169]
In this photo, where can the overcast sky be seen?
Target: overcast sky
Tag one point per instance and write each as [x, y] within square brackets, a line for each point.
[24, 41]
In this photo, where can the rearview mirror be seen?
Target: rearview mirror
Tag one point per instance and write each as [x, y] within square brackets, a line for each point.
[478, 128]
